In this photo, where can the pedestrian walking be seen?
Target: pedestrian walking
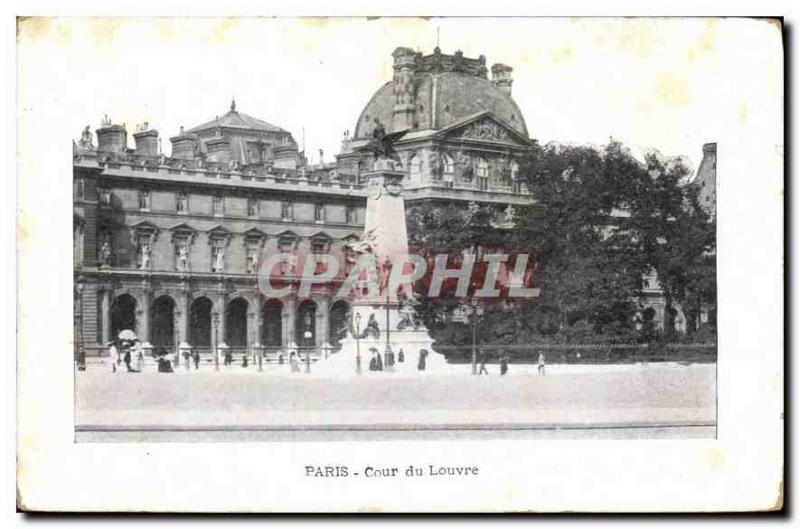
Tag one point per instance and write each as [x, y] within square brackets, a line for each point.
[127, 359]
[483, 360]
[389, 358]
[293, 362]
[504, 364]
[400, 356]
[373, 361]
[196, 359]
[137, 352]
[113, 355]
[421, 363]
[244, 361]
[540, 367]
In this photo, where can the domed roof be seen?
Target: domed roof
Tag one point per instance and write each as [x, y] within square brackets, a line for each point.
[452, 96]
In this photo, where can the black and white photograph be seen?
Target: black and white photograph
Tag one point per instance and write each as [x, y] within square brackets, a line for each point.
[393, 230]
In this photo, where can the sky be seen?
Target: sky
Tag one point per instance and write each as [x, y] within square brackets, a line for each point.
[650, 83]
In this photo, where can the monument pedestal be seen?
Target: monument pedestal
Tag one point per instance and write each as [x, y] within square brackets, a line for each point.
[386, 239]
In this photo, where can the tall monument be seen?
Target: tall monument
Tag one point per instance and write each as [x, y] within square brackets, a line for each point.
[383, 319]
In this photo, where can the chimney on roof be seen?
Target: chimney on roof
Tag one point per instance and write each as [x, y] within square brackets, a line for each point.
[233, 104]
[146, 140]
[111, 138]
[219, 149]
[501, 77]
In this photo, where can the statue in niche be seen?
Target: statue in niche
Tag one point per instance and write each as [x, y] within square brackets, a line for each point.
[508, 215]
[144, 255]
[218, 264]
[183, 256]
[252, 260]
[105, 251]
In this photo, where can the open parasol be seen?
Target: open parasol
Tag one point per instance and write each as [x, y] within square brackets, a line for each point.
[127, 334]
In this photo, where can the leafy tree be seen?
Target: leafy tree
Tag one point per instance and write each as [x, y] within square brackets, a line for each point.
[600, 221]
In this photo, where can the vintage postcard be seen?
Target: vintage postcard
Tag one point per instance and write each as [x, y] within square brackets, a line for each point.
[441, 264]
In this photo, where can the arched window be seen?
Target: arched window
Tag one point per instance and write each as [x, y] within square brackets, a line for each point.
[415, 169]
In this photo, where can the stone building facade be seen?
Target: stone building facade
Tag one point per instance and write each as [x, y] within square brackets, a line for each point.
[170, 245]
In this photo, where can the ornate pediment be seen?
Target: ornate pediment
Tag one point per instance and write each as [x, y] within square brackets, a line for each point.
[219, 234]
[183, 232]
[485, 127]
[254, 234]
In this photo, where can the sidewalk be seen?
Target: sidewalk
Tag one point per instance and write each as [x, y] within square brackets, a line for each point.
[595, 395]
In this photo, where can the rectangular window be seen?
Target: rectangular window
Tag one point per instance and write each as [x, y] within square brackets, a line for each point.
[350, 215]
[80, 188]
[217, 205]
[286, 210]
[181, 202]
[144, 199]
[252, 207]
[253, 152]
[319, 212]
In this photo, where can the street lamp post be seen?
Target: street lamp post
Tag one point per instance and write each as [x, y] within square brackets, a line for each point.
[215, 322]
[472, 314]
[307, 335]
[358, 343]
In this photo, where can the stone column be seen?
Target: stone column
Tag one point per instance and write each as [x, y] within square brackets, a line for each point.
[222, 305]
[143, 332]
[322, 325]
[105, 308]
[252, 337]
[288, 316]
[257, 321]
[183, 329]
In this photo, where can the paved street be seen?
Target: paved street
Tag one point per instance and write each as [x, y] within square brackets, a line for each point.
[656, 400]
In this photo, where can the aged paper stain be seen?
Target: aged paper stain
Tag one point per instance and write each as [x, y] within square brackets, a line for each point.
[636, 38]
[562, 55]
[32, 29]
[672, 89]
[25, 228]
[742, 118]
[104, 31]
[222, 32]
[705, 43]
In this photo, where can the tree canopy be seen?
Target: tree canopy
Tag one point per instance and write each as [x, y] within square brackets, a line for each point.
[599, 223]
